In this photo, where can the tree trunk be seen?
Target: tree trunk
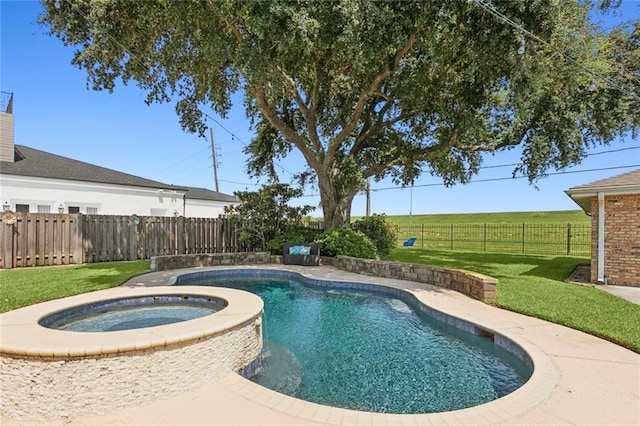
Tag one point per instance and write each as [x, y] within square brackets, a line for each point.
[332, 213]
[336, 207]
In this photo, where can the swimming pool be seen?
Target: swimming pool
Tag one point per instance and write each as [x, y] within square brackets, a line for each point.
[369, 348]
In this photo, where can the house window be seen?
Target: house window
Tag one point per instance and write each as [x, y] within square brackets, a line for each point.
[92, 210]
[22, 208]
[73, 209]
[43, 208]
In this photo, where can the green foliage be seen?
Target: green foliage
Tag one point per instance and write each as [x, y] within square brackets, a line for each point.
[265, 213]
[373, 89]
[533, 285]
[298, 235]
[347, 242]
[28, 286]
[380, 231]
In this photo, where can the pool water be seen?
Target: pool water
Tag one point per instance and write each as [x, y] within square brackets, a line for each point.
[127, 315]
[367, 351]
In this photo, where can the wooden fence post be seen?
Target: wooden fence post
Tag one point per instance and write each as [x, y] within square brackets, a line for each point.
[7, 245]
[181, 237]
[133, 240]
[76, 239]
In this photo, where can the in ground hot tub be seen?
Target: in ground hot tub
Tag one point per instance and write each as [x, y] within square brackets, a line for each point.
[50, 373]
[133, 312]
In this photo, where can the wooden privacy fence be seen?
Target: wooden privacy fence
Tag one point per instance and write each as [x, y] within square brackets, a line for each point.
[30, 239]
[532, 238]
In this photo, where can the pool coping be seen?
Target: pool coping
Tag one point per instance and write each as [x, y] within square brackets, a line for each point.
[22, 335]
[578, 378]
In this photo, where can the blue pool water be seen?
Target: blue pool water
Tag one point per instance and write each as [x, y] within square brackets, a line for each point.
[367, 351]
[131, 313]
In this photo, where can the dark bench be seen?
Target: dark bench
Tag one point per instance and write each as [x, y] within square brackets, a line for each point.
[307, 254]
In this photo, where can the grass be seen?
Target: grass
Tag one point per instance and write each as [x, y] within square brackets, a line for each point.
[562, 216]
[27, 286]
[534, 285]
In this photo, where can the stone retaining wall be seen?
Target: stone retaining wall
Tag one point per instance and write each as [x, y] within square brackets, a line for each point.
[180, 261]
[472, 284]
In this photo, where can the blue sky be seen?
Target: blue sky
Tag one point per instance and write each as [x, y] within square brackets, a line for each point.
[54, 111]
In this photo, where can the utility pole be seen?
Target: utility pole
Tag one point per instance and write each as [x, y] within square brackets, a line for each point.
[215, 163]
[367, 186]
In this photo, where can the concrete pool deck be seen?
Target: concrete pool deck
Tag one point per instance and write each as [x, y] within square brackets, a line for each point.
[578, 378]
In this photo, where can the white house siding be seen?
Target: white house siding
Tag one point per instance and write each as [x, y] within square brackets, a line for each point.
[204, 208]
[100, 198]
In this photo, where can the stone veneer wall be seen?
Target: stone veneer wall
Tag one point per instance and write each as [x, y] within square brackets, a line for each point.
[38, 389]
[472, 284]
[621, 239]
[165, 263]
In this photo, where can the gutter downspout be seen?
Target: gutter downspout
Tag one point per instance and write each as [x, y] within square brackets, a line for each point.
[601, 278]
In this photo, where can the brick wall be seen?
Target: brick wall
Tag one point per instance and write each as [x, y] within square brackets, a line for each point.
[621, 239]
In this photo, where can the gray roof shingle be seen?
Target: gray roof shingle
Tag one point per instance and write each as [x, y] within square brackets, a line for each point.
[620, 184]
[629, 179]
[36, 163]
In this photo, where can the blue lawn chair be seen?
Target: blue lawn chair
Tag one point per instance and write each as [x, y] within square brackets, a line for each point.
[410, 242]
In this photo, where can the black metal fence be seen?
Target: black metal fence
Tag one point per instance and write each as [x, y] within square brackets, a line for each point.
[568, 239]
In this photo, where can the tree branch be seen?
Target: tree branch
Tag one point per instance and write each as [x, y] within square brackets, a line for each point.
[379, 125]
[309, 114]
[364, 97]
[290, 134]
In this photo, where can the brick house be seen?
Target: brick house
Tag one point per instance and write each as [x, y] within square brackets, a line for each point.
[614, 207]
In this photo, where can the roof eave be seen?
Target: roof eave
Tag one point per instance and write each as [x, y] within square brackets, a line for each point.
[582, 196]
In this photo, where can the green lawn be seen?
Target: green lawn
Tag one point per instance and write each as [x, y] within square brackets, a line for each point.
[562, 216]
[534, 285]
[27, 286]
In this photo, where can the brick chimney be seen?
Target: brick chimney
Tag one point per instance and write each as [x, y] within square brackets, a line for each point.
[6, 127]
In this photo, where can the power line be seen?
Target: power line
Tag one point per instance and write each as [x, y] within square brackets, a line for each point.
[182, 160]
[588, 155]
[493, 11]
[512, 177]
[505, 178]
[234, 136]
[239, 183]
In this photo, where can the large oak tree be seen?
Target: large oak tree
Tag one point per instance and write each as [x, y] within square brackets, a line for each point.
[372, 89]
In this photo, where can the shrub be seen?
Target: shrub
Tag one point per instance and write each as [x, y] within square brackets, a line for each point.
[298, 235]
[265, 214]
[382, 233]
[347, 242]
